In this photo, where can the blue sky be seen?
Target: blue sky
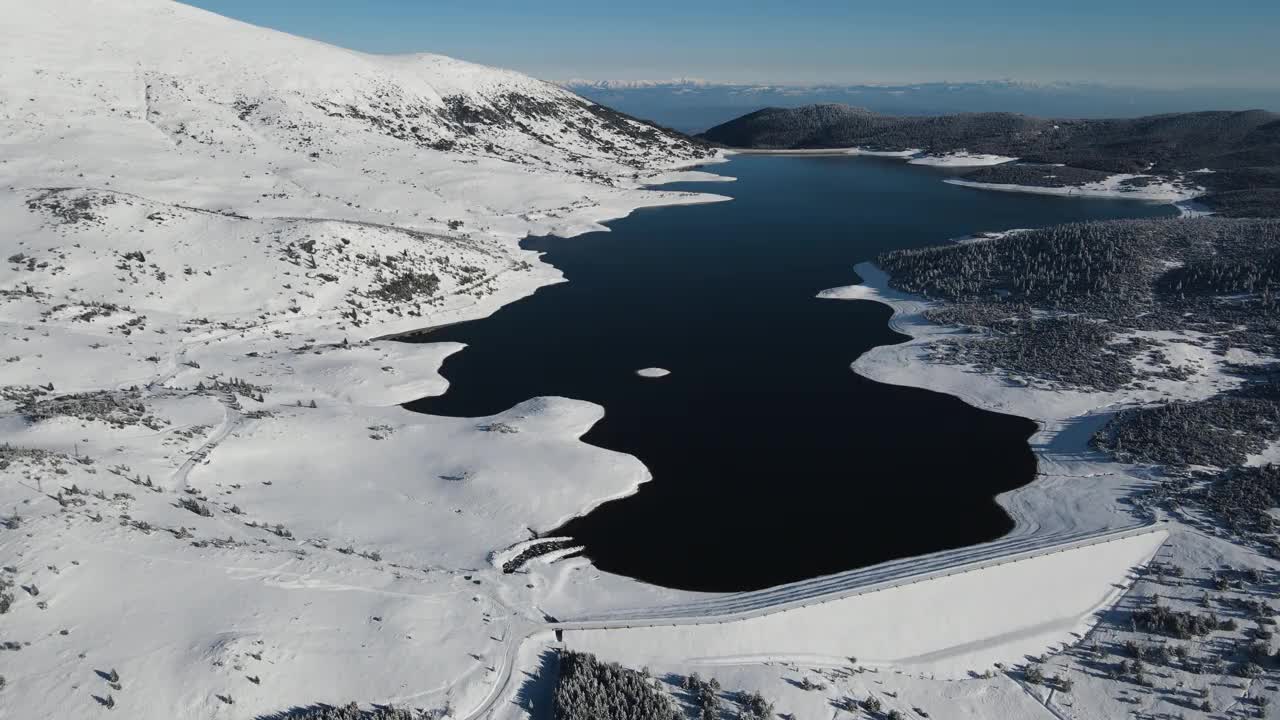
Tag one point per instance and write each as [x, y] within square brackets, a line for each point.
[1171, 43]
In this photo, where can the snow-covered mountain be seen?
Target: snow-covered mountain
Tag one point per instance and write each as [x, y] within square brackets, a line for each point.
[207, 488]
[160, 75]
[176, 111]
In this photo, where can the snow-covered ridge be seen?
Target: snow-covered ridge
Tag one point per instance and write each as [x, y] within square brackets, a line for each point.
[160, 75]
[633, 84]
[207, 483]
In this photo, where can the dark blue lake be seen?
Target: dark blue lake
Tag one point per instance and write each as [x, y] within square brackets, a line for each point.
[772, 461]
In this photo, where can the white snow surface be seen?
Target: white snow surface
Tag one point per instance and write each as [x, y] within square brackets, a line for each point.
[826, 151]
[653, 372]
[208, 226]
[909, 153]
[960, 159]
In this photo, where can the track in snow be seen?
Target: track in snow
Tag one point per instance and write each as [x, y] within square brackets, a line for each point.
[231, 418]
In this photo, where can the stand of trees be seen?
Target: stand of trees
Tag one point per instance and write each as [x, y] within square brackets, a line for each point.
[592, 690]
[1242, 498]
[1057, 300]
[1220, 431]
[350, 711]
[1035, 174]
[589, 689]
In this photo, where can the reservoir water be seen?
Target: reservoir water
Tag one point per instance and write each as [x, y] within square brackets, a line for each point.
[771, 460]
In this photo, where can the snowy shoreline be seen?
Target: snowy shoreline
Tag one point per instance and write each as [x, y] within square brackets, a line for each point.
[956, 159]
[1164, 192]
[824, 152]
[907, 365]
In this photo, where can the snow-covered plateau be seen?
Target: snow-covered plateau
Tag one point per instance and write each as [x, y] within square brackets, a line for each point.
[211, 503]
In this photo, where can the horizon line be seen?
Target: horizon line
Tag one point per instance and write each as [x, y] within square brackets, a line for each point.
[622, 84]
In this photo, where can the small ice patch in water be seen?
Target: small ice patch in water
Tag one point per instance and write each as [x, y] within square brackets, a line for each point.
[653, 372]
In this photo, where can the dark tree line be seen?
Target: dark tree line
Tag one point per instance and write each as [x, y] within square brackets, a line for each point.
[534, 551]
[1243, 498]
[1219, 431]
[1162, 620]
[1252, 191]
[589, 689]
[592, 690]
[1055, 300]
[1036, 175]
[1241, 148]
[1097, 267]
[1100, 267]
[1064, 351]
[1255, 202]
[350, 711]
[705, 695]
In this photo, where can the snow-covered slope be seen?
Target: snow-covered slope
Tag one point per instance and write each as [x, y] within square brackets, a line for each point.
[206, 483]
[171, 99]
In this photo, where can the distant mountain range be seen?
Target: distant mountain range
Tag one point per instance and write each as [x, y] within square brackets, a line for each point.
[693, 105]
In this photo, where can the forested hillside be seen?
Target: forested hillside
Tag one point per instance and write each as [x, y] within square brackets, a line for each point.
[1233, 156]
[1181, 141]
[1114, 307]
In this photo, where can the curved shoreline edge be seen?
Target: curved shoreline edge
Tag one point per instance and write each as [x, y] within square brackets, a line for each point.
[906, 364]
[1075, 488]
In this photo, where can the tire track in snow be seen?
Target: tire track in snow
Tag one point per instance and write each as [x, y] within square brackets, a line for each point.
[231, 419]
